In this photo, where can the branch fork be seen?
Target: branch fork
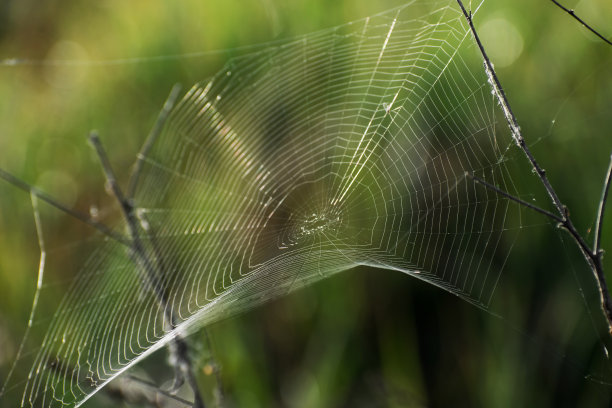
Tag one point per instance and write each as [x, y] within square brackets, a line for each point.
[592, 254]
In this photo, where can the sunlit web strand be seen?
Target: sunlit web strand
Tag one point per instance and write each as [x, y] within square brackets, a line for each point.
[341, 148]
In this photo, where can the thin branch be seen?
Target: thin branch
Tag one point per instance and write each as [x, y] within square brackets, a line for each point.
[510, 117]
[515, 199]
[592, 257]
[153, 279]
[22, 185]
[178, 346]
[109, 174]
[600, 212]
[133, 184]
[581, 21]
[155, 132]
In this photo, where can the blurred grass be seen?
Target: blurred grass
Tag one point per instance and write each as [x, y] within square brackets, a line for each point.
[363, 338]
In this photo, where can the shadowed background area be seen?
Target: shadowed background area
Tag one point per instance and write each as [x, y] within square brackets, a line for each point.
[365, 337]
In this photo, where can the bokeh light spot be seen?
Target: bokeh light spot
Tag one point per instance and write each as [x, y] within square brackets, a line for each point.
[503, 42]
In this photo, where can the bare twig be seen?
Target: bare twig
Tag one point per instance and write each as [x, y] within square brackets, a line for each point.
[511, 118]
[155, 132]
[22, 185]
[178, 346]
[581, 21]
[131, 191]
[515, 199]
[155, 280]
[133, 184]
[600, 212]
[109, 174]
[592, 256]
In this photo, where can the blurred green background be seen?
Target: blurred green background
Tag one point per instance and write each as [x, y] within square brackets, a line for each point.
[365, 337]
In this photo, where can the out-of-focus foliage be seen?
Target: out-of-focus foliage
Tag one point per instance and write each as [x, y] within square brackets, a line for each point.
[364, 338]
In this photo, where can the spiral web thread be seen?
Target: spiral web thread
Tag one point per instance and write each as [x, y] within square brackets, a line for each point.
[345, 147]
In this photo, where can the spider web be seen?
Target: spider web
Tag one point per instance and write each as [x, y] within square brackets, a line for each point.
[345, 147]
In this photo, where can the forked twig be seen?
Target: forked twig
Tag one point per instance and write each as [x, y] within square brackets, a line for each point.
[178, 346]
[591, 255]
[153, 269]
[597, 250]
[133, 184]
[511, 118]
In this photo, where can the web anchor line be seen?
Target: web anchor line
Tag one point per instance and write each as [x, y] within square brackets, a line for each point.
[593, 255]
[178, 347]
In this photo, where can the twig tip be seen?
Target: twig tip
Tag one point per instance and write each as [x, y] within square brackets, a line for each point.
[93, 137]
